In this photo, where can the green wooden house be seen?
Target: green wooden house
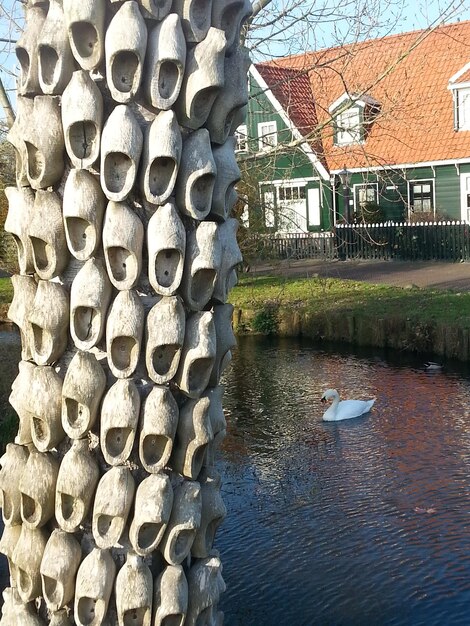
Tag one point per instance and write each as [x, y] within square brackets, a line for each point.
[376, 131]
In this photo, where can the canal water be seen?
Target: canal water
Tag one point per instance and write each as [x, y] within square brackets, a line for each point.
[359, 523]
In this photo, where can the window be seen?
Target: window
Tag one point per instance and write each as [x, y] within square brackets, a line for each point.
[291, 193]
[241, 136]
[267, 135]
[366, 194]
[421, 197]
[462, 109]
[354, 116]
[348, 127]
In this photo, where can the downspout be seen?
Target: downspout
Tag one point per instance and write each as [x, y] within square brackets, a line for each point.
[333, 192]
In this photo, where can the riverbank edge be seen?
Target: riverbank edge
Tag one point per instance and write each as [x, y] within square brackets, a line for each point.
[398, 333]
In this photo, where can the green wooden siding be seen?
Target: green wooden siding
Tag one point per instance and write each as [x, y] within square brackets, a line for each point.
[447, 192]
[287, 163]
[393, 185]
[327, 221]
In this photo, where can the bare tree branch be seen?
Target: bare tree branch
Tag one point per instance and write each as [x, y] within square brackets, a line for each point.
[259, 5]
[6, 105]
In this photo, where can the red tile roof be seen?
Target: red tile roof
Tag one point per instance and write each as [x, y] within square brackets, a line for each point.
[407, 74]
[292, 90]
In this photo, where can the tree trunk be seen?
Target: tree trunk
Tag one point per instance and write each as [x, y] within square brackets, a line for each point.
[125, 184]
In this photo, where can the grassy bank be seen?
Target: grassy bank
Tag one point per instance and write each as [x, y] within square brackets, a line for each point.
[6, 291]
[6, 296]
[417, 319]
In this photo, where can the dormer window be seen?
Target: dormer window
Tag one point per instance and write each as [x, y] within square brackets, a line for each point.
[459, 84]
[348, 127]
[267, 135]
[462, 109]
[353, 116]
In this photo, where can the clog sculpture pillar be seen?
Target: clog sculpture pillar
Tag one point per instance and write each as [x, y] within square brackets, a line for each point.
[125, 183]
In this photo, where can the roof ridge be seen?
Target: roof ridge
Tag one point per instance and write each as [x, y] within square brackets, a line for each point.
[407, 73]
[280, 62]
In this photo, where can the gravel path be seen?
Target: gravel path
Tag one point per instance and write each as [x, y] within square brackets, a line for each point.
[436, 274]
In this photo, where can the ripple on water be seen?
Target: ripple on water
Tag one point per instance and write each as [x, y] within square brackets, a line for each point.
[357, 523]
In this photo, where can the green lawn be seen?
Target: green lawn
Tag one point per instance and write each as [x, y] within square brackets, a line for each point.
[323, 295]
[6, 291]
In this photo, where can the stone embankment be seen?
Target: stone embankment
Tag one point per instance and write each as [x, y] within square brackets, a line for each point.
[446, 341]
[451, 342]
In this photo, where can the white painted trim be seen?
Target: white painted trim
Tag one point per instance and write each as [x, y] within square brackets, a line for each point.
[294, 182]
[294, 130]
[286, 181]
[311, 193]
[402, 166]
[463, 197]
[362, 101]
[460, 73]
[333, 208]
[458, 86]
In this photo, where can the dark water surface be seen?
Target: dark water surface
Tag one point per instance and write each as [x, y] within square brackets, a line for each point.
[358, 523]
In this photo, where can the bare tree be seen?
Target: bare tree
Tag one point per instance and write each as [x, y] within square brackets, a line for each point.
[11, 27]
[279, 28]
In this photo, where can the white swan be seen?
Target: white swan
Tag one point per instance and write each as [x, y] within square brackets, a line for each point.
[345, 409]
[432, 366]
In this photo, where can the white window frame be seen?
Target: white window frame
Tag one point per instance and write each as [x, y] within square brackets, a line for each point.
[291, 185]
[267, 135]
[358, 186]
[349, 133]
[241, 135]
[269, 208]
[462, 108]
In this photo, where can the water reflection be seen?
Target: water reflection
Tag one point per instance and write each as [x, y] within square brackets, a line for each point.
[359, 522]
[10, 354]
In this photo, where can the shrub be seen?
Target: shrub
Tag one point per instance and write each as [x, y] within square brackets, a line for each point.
[369, 213]
[266, 320]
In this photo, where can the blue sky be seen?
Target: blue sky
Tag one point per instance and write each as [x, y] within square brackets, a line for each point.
[10, 21]
[343, 21]
[334, 26]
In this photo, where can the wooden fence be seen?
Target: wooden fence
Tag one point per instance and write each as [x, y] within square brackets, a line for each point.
[293, 246]
[449, 241]
[425, 241]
